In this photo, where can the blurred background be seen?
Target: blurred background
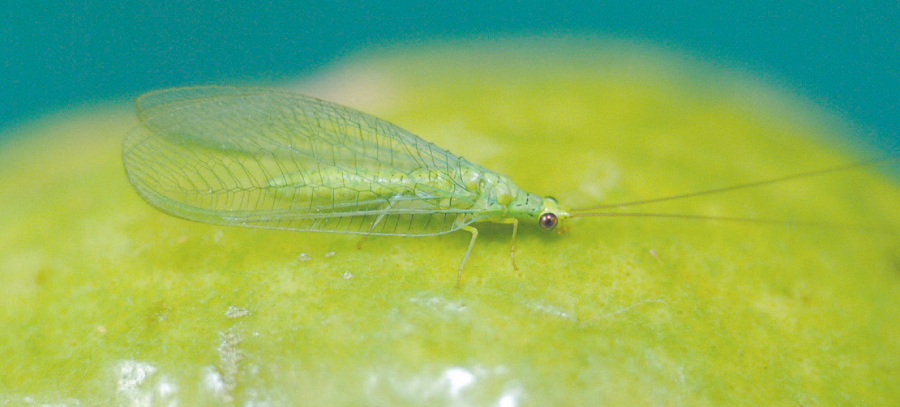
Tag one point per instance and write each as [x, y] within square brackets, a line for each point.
[844, 56]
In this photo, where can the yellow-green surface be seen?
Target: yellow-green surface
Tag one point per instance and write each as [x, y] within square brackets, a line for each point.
[106, 301]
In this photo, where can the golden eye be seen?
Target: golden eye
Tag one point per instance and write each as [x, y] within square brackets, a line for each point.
[548, 221]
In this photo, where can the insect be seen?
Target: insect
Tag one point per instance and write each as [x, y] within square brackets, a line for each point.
[275, 159]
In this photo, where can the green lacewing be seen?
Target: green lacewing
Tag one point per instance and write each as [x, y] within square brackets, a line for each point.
[275, 159]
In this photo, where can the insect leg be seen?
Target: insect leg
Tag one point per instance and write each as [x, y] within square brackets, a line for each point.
[363, 238]
[389, 205]
[512, 248]
[468, 252]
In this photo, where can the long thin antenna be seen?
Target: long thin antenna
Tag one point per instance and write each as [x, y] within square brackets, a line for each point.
[758, 221]
[700, 217]
[747, 185]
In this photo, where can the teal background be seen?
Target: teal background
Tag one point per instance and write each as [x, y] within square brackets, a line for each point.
[56, 55]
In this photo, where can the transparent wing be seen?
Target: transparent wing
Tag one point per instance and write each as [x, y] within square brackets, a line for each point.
[275, 159]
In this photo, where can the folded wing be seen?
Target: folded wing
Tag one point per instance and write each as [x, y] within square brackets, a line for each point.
[275, 159]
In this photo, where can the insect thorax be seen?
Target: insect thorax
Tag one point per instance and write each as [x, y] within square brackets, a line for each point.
[514, 201]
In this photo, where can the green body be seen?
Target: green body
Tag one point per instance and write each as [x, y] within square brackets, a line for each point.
[275, 159]
[487, 191]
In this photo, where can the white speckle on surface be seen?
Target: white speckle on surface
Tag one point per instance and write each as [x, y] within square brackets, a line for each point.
[509, 398]
[138, 384]
[551, 309]
[257, 403]
[131, 374]
[450, 386]
[225, 379]
[236, 312]
[212, 382]
[439, 304]
[165, 388]
[459, 379]
[304, 257]
[221, 381]
[347, 275]
[329, 254]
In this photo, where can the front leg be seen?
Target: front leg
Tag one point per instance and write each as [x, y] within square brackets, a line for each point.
[468, 252]
[512, 247]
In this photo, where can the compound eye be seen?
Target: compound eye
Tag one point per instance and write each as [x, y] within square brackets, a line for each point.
[548, 221]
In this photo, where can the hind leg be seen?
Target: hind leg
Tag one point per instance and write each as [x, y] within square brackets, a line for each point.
[378, 219]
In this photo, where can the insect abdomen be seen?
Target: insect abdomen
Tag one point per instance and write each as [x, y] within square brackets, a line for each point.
[337, 185]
